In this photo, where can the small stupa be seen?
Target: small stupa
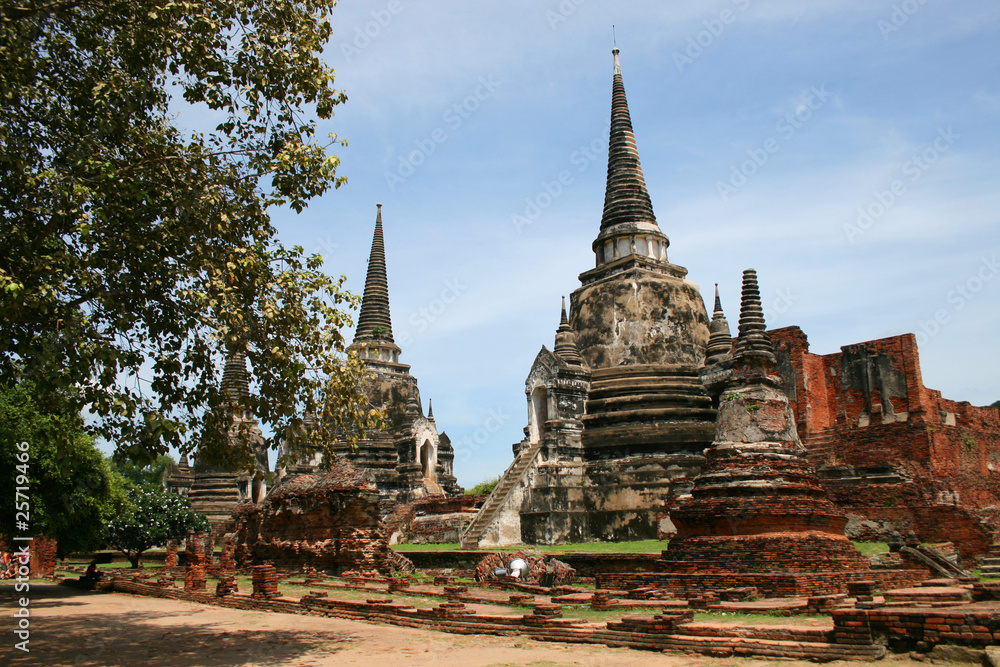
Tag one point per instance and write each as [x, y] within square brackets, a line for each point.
[757, 515]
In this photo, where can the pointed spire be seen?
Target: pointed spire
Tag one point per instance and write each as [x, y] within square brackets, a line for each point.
[374, 321]
[565, 347]
[235, 379]
[430, 409]
[626, 198]
[720, 342]
[753, 344]
[412, 408]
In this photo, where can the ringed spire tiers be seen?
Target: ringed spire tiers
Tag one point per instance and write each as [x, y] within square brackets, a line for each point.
[374, 332]
[565, 347]
[235, 379]
[720, 341]
[374, 321]
[753, 342]
[625, 197]
[628, 224]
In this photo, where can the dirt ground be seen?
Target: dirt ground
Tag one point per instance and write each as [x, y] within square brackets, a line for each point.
[71, 627]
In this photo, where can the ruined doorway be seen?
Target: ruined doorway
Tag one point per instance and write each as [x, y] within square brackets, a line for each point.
[428, 462]
[539, 413]
[258, 489]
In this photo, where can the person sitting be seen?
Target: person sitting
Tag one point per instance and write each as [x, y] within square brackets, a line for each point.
[92, 573]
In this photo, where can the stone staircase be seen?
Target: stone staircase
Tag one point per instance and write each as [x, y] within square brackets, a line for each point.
[433, 488]
[991, 561]
[935, 560]
[820, 449]
[496, 500]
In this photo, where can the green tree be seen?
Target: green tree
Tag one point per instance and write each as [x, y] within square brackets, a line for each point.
[136, 256]
[71, 491]
[138, 474]
[485, 487]
[147, 517]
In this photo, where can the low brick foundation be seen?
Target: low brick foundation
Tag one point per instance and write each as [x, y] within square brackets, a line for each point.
[662, 632]
[770, 585]
[975, 625]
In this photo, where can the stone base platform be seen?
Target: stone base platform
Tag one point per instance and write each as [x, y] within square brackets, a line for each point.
[662, 632]
[769, 584]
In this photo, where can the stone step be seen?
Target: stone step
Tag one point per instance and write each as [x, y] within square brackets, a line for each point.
[478, 526]
[649, 401]
[777, 648]
[645, 415]
[644, 385]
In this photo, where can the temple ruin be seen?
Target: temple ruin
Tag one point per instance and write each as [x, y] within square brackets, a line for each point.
[622, 409]
[893, 454]
[328, 520]
[618, 419]
[409, 460]
[215, 492]
[757, 514]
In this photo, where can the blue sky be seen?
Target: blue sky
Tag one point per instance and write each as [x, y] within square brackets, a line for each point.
[846, 150]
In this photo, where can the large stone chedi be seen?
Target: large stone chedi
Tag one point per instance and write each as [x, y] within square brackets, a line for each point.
[757, 515]
[617, 415]
[410, 460]
[214, 491]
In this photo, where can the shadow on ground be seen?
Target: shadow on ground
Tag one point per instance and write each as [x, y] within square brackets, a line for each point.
[133, 636]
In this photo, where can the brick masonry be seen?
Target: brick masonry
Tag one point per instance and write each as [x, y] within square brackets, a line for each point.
[893, 453]
[329, 521]
[661, 632]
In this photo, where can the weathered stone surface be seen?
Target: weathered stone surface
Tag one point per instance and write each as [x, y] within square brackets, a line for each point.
[611, 435]
[892, 453]
[946, 654]
[328, 520]
[432, 520]
[410, 459]
[640, 317]
[757, 506]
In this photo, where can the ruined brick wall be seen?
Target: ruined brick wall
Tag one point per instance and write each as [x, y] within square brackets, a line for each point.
[329, 521]
[866, 406]
[432, 520]
[43, 557]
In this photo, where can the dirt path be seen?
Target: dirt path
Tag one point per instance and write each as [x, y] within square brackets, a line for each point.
[77, 628]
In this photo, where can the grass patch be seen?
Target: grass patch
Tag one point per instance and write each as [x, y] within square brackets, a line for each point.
[596, 616]
[775, 617]
[443, 546]
[871, 548]
[644, 546]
